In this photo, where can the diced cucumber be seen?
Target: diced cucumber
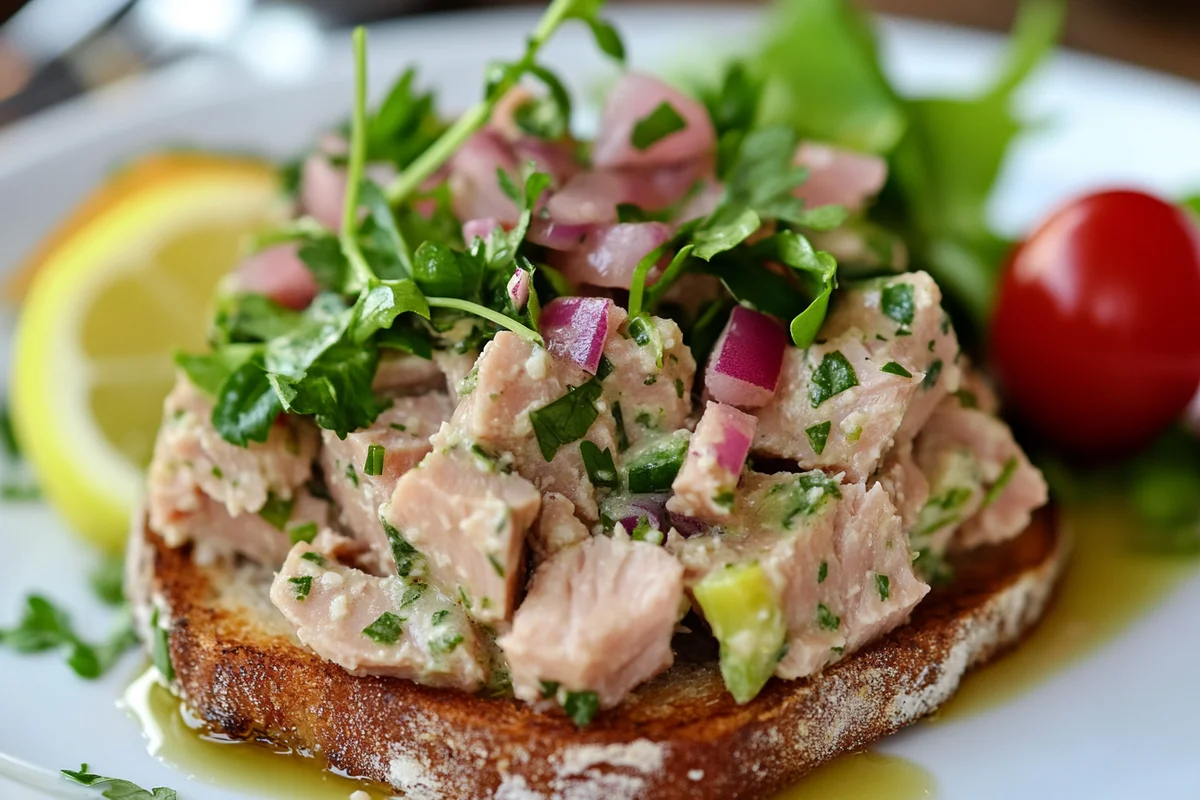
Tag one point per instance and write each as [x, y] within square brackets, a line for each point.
[652, 466]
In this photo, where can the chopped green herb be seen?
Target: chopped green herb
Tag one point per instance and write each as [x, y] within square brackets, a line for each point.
[837, 651]
[161, 647]
[656, 126]
[679, 390]
[412, 594]
[117, 789]
[604, 368]
[351, 474]
[932, 345]
[385, 629]
[643, 531]
[931, 377]
[823, 572]
[439, 616]
[818, 435]
[108, 581]
[893, 368]
[277, 511]
[8, 438]
[217, 472]
[446, 644]
[601, 469]
[622, 436]
[645, 420]
[996, 489]
[549, 689]
[896, 301]
[803, 496]
[646, 334]
[967, 399]
[397, 426]
[374, 463]
[403, 553]
[496, 565]
[826, 619]
[581, 707]
[650, 380]
[45, 627]
[832, 376]
[303, 533]
[883, 584]
[567, 419]
[725, 499]
[854, 434]
[301, 586]
[314, 557]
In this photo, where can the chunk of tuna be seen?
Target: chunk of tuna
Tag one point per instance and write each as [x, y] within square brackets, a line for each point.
[902, 321]
[468, 517]
[191, 460]
[399, 627]
[265, 537]
[455, 367]
[402, 374]
[835, 553]
[982, 483]
[557, 528]
[651, 386]
[512, 380]
[598, 618]
[905, 483]
[706, 486]
[835, 409]
[403, 432]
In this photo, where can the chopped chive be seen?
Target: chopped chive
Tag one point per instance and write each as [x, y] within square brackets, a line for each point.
[374, 464]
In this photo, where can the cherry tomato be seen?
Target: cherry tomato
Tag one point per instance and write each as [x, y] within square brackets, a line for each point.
[1096, 332]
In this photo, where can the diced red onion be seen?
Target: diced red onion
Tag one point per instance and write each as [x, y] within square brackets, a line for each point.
[279, 274]
[610, 254]
[745, 364]
[631, 510]
[474, 189]
[635, 97]
[518, 289]
[729, 432]
[474, 229]
[556, 235]
[838, 177]
[590, 198]
[687, 526]
[576, 328]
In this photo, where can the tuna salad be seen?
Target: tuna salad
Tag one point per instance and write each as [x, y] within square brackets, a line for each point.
[507, 409]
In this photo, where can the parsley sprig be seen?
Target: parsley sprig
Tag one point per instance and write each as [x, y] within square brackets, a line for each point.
[45, 626]
[116, 788]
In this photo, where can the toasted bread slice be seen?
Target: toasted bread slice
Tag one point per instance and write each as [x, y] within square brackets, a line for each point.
[680, 736]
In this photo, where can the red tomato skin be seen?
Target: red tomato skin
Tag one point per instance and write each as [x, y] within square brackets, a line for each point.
[1096, 331]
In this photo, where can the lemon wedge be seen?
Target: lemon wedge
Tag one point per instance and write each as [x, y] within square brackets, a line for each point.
[123, 284]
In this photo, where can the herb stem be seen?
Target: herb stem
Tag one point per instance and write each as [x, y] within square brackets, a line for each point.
[354, 170]
[673, 270]
[637, 284]
[477, 116]
[528, 334]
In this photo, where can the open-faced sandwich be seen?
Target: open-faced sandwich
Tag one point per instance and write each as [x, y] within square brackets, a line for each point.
[528, 466]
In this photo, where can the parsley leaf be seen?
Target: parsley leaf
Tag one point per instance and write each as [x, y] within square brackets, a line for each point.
[832, 376]
[246, 405]
[301, 586]
[408, 559]
[660, 123]
[818, 435]
[894, 368]
[117, 789]
[567, 419]
[581, 707]
[386, 629]
[826, 619]
[601, 469]
[883, 586]
[44, 626]
[896, 301]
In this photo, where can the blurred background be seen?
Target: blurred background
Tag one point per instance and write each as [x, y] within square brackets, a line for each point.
[53, 49]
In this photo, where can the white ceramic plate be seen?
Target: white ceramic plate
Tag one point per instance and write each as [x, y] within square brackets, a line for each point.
[1120, 724]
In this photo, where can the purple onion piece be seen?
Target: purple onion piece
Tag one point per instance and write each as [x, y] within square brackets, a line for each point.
[576, 328]
[518, 288]
[746, 362]
[687, 526]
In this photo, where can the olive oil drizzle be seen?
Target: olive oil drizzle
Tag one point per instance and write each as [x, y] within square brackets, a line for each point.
[1106, 587]
[178, 739]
